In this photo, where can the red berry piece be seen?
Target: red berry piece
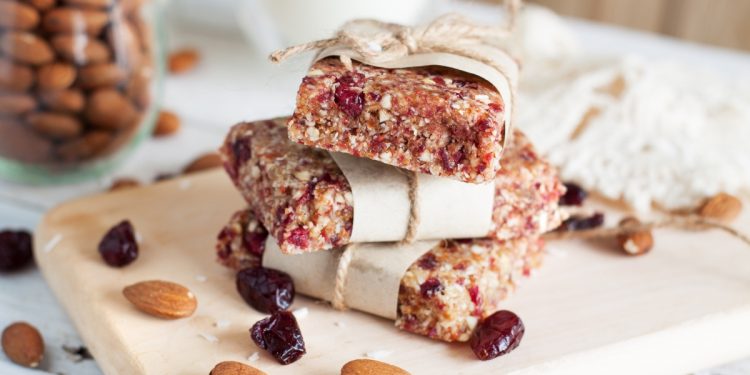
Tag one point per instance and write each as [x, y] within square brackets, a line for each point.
[279, 334]
[15, 249]
[583, 222]
[574, 195]
[348, 95]
[118, 247]
[265, 289]
[498, 334]
[430, 287]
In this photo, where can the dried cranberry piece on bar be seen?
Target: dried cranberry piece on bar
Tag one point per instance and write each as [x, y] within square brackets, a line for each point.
[305, 201]
[432, 119]
[449, 289]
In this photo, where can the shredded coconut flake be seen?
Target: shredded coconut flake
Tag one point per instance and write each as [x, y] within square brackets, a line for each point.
[138, 238]
[201, 278]
[210, 338]
[222, 323]
[253, 357]
[53, 242]
[340, 324]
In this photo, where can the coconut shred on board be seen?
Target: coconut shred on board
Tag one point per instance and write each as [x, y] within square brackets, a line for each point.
[632, 129]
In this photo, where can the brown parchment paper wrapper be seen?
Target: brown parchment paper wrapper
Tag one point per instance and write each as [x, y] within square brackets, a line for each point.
[447, 208]
[373, 280]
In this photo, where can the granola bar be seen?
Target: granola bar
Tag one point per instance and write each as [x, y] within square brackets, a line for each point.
[304, 199]
[432, 120]
[442, 295]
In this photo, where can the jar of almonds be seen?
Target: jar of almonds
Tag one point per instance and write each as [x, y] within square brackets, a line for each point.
[78, 80]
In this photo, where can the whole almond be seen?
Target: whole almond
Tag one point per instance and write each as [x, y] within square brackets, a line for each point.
[235, 368]
[723, 207]
[15, 77]
[125, 43]
[204, 162]
[166, 124]
[371, 367]
[124, 183]
[100, 75]
[26, 48]
[55, 76]
[90, 3]
[91, 144]
[635, 243]
[41, 4]
[23, 344]
[138, 89]
[16, 104]
[73, 20]
[18, 142]
[69, 101]
[14, 15]
[109, 109]
[55, 125]
[81, 49]
[183, 60]
[162, 299]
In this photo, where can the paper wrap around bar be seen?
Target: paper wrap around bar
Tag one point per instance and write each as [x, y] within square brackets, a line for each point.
[307, 203]
[447, 208]
[372, 281]
[438, 289]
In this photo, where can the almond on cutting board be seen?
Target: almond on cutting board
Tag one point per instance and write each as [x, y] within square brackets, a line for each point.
[371, 367]
[235, 368]
[204, 162]
[635, 243]
[162, 299]
[722, 207]
[23, 344]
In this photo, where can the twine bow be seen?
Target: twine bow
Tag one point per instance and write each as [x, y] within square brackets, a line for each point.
[383, 41]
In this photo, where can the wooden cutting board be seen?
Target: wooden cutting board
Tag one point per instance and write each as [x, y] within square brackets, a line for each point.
[683, 307]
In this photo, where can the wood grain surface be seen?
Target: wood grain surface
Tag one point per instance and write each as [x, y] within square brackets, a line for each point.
[683, 307]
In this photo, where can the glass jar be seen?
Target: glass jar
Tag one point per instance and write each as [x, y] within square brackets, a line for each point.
[78, 82]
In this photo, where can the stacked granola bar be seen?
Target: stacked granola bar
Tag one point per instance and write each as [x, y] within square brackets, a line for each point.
[430, 120]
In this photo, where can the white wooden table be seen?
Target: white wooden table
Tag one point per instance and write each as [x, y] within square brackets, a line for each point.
[234, 83]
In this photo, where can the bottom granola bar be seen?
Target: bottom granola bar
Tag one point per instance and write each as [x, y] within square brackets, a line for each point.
[442, 295]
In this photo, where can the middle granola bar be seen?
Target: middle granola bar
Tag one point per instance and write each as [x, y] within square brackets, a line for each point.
[305, 201]
[431, 119]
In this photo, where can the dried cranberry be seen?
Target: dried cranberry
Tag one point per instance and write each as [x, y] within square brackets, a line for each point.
[255, 240]
[265, 289]
[428, 261]
[431, 287]
[241, 151]
[496, 335]
[574, 195]
[118, 247]
[349, 96]
[15, 249]
[583, 222]
[299, 237]
[279, 334]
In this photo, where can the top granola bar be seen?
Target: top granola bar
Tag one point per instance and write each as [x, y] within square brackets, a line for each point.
[433, 120]
[305, 201]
